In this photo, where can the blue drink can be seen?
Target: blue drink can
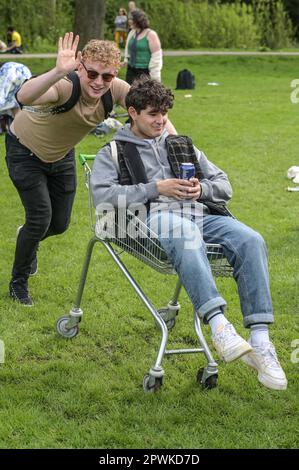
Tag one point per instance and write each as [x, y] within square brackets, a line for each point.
[187, 171]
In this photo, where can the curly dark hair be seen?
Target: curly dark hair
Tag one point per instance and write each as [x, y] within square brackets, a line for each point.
[140, 19]
[146, 92]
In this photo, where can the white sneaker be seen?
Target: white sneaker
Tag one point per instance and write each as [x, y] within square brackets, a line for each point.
[270, 372]
[228, 344]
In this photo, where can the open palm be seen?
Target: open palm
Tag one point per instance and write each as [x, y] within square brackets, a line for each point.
[66, 59]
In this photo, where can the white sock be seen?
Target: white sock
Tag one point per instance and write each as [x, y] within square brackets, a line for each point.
[259, 334]
[216, 319]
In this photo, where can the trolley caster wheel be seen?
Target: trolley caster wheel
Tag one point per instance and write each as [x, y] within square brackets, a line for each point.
[170, 323]
[66, 332]
[152, 384]
[165, 315]
[210, 382]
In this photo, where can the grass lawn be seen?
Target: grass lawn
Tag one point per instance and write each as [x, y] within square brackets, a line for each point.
[86, 392]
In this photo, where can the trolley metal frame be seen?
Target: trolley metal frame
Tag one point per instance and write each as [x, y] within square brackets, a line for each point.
[145, 248]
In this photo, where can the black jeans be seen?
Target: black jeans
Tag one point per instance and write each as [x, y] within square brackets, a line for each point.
[47, 192]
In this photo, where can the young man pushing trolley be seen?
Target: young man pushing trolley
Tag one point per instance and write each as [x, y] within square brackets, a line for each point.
[186, 213]
[59, 108]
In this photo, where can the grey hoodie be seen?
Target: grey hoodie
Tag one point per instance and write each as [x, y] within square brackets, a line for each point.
[105, 187]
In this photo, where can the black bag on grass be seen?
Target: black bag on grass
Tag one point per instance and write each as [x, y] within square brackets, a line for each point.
[185, 80]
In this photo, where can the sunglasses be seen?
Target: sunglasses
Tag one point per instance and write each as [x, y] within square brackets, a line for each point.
[92, 74]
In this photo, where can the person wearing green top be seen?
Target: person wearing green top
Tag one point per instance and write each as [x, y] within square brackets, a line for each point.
[143, 53]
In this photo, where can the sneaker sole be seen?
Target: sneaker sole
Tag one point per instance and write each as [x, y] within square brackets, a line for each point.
[14, 299]
[20, 303]
[270, 384]
[263, 378]
[239, 351]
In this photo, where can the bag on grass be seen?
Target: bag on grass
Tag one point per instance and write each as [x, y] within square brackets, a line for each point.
[185, 80]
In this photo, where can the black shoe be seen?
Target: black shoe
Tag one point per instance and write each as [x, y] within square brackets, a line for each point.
[18, 290]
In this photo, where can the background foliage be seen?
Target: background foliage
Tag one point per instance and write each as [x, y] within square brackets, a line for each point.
[40, 22]
[190, 23]
[202, 23]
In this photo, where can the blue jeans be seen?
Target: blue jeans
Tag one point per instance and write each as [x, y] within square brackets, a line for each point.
[184, 240]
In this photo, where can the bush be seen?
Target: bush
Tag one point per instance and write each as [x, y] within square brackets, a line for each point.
[37, 20]
[275, 26]
[192, 24]
[181, 24]
[227, 26]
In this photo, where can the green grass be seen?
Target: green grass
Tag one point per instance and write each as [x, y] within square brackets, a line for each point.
[86, 392]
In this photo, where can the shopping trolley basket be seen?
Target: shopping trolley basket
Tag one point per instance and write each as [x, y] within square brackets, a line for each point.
[146, 248]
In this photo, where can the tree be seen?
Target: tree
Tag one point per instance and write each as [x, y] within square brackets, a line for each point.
[89, 20]
[292, 7]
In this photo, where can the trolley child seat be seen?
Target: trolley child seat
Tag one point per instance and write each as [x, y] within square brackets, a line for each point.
[146, 248]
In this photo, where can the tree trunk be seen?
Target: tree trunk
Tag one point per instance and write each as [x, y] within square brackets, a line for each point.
[89, 20]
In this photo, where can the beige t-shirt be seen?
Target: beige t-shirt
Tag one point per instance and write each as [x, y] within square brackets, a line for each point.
[49, 136]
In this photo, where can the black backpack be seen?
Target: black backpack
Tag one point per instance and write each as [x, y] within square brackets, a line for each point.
[185, 80]
[76, 91]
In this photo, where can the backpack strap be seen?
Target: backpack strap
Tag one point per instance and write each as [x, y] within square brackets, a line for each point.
[128, 162]
[70, 103]
[107, 103]
[134, 163]
[114, 153]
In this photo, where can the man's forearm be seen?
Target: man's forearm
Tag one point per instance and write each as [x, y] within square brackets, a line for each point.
[32, 90]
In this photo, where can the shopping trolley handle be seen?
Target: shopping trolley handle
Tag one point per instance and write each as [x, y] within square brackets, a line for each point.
[84, 158]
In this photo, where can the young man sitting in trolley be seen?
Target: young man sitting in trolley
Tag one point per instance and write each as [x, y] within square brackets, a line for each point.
[186, 213]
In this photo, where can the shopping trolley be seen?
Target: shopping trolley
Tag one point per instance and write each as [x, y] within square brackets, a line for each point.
[146, 248]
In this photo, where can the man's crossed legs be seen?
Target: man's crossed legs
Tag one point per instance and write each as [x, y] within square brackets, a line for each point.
[183, 239]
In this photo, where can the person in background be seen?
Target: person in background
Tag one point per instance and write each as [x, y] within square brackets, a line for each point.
[186, 214]
[121, 26]
[143, 53]
[131, 7]
[3, 47]
[12, 75]
[14, 41]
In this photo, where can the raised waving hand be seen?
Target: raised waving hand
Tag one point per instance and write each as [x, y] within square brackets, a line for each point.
[66, 59]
